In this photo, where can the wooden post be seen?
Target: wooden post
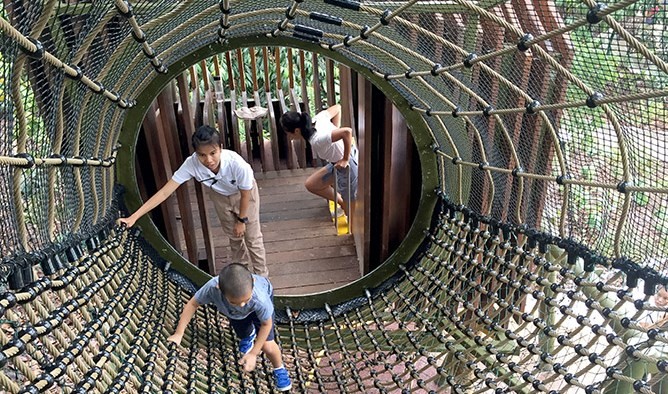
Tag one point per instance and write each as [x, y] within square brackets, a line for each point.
[258, 124]
[169, 133]
[244, 103]
[189, 127]
[162, 170]
[236, 143]
[317, 100]
[270, 107]
[361, 222]
[291, 157]
[300, 148]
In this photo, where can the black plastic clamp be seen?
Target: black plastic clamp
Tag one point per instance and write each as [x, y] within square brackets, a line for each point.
[128, 13]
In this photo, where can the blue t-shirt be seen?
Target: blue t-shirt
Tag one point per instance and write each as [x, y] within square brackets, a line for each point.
[260, 302]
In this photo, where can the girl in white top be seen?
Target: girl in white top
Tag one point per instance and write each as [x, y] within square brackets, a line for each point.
[231, 186]
[332, 143]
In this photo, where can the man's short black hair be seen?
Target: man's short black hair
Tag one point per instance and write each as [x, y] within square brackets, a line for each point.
[205, 135]
[235, 281]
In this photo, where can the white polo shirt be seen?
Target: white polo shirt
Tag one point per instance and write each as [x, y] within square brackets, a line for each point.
[321, 140]
[234, 174]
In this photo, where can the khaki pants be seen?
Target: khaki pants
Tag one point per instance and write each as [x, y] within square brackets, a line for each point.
[250, 247]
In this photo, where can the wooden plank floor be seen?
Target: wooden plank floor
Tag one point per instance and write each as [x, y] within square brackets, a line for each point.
[304, 254]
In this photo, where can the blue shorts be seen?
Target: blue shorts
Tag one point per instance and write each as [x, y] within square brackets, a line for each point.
[342, 180]
[244, 327]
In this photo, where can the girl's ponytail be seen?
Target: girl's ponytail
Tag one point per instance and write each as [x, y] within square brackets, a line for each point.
[306, 126]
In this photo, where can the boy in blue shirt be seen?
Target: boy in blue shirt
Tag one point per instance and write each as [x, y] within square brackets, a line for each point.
[247, 301]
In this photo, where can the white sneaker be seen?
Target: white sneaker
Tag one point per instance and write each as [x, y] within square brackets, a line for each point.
[339, 212]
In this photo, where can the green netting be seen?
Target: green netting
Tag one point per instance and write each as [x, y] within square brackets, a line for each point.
[539, 269]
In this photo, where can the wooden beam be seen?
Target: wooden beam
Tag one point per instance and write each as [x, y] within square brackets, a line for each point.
[361, 223]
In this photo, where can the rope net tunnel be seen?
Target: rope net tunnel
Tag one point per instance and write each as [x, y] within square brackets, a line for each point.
[536, 261]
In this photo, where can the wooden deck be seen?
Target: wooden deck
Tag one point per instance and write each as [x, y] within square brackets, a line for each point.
[304, 254]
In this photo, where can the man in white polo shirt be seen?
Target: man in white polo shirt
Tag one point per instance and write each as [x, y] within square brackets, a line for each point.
[232, 188]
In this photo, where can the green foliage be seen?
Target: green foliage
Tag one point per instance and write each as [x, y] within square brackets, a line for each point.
[607, 63]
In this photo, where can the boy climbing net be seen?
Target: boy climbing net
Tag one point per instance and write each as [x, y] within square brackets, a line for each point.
[247, 301]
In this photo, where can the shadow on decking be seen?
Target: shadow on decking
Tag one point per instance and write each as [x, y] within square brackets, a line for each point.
[304, 254]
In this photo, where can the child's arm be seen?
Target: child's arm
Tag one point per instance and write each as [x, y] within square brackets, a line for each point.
[188, 312]
[345, 134]
[335, 114]
[250, 359]
[160, 196]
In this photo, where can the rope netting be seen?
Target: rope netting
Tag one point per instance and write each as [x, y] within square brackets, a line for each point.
[539, 269]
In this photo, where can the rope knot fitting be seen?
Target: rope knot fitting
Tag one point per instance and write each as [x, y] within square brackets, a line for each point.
[78, 72]
[224, 23]
[161, 68]
[288, 15]
[662, 365]
[84, 161]
[364, 32]
[621, 186]
[224, 9]
[592, 100]
[38, 53]
[455, 112]
[488, 111]
[61, 157]
[384, 18]
[140, 39]
[28, 157]
[468, 62]
[592, 14]
[99, 86]
[522, 44]
[115, 94]
[561, 178]
[532, 107]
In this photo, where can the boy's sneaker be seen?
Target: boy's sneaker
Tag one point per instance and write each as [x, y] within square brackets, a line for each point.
[246, 344]
[282, 379]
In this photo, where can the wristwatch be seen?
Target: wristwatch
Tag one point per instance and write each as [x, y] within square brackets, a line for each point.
[243, 220]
